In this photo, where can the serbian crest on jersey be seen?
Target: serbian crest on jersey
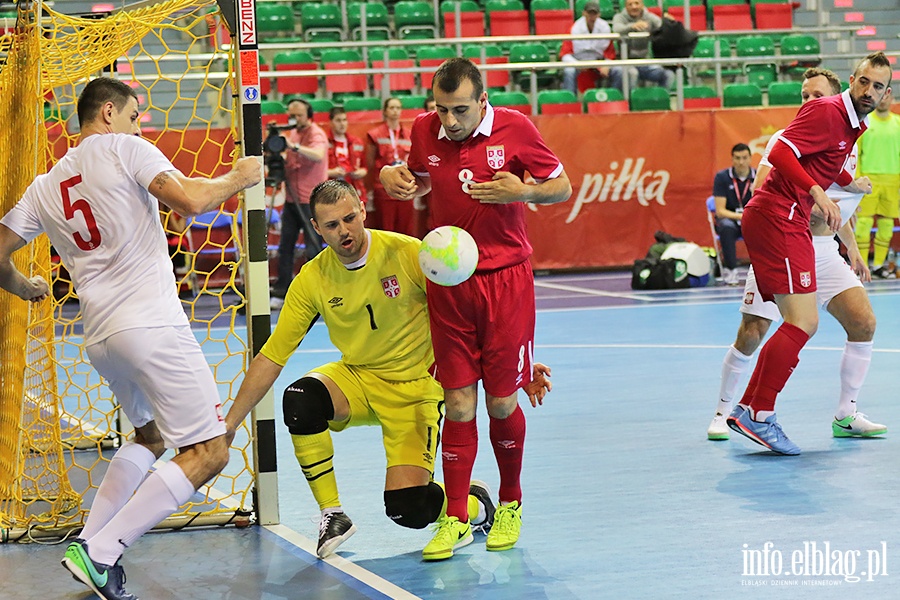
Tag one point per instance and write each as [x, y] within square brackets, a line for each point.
[391, 286]
[496, 157]
[805, 279]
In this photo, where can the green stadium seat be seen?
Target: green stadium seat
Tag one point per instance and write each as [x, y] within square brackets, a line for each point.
[557, 102]
[377, 25]
[700, 97]
[515, 100]
[507, 17]
[322, 22]
[403, 83]
[761, 74]
[320, 107]
[551, 17]
[295, 61]
[271, 107]
[496, 80]
[414, 20]
[705, 48]
[364, 103]
[785, 93]
[649, 98]
[432, 57]
[471, 18]
[274, 20]
[526, 53]
[601, 95]
[729, 15]
[736, 95]
[801, 45]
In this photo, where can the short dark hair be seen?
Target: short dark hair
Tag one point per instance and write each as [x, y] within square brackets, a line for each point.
[876, 59]
[828, 74]
[335, 111]
[97, 93]
[453, 71]
[330, 192]
[740, 148]
[309, 108]
[428, 100]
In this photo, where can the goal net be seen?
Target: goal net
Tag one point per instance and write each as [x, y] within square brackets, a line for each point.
[59, 423]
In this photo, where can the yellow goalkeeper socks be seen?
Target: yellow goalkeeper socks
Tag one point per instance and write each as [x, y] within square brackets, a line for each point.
[315, 453]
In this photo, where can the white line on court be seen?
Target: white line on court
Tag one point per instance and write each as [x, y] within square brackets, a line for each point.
[684, 347]
[342, 564]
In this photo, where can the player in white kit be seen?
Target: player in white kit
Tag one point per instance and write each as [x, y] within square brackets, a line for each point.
[98, 205]
[839, 291]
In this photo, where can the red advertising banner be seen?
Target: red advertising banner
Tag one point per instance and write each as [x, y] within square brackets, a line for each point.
[633, 174]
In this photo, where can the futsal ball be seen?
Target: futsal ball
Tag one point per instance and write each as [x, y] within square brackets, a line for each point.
[448, 255]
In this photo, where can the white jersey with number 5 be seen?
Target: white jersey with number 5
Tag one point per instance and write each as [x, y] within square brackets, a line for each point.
[95, 208]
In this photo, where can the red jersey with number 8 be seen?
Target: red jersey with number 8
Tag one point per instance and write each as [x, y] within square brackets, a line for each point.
[505, 140]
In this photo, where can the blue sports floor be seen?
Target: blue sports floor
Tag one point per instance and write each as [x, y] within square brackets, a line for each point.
[624, 496]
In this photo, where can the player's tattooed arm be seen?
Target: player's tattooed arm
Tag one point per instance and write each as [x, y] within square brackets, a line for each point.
[159, 182]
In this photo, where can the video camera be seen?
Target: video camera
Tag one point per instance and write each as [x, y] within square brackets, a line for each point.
[273, 146]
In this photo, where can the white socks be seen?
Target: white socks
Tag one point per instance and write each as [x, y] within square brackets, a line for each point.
[855, 363]
[126, 471]
[733, 367]
[159, 496]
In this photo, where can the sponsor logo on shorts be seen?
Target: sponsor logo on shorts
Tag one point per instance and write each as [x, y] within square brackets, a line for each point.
[428, 457]
[391, 286]
[748, 298]
[805, 279]
[496, 156]
[336, 301]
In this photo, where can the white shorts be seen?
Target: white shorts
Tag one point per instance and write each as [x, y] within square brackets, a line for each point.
[833, 276]
[160, 374]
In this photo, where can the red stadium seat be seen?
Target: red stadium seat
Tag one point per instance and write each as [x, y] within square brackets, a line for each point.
[342, 84]
[774, 16]
[698, 16]
[732, 17]
[549, 22]
[605, 108]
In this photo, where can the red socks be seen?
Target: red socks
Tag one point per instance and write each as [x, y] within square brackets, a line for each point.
[776, 362]
[508, 441]
[459, 446]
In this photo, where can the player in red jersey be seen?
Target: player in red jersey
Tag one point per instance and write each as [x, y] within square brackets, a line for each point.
[473, 157]
[808, 158]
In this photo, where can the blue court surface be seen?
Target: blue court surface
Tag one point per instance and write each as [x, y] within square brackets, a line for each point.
[624, 497]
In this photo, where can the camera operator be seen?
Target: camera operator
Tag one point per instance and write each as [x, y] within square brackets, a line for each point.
[305, 166]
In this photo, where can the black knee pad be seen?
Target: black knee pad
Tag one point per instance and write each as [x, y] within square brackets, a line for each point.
[307, 407]
[414, 507]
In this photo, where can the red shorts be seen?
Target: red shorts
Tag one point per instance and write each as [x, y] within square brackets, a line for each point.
[483, 329]
[781, 250]
[396, 215]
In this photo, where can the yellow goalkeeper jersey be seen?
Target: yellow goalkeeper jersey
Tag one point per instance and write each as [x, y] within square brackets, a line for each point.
[376, 315]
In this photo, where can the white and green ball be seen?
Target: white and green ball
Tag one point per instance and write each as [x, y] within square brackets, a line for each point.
[448, 255]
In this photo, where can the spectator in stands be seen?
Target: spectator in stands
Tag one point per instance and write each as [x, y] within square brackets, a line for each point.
[429, 105]
[732, 188]
[637, 19]
[590, 49]
[305, 166]
[879, 160]
[388, 144]
[346, 153]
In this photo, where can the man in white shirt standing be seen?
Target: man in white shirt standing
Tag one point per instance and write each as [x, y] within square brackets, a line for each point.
[98, 206]
[590, 49]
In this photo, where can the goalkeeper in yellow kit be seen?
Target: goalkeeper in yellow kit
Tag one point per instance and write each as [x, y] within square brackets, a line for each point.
[368, 288]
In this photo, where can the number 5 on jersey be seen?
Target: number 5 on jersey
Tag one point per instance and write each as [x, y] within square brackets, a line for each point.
[81, 205]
